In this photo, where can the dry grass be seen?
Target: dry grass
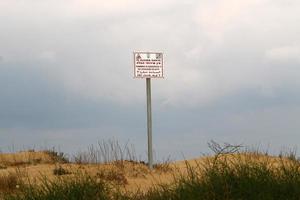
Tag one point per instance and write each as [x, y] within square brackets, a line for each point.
[114, 176]
[59, 171]
[129, 175]
[10, 182]
[24, 158]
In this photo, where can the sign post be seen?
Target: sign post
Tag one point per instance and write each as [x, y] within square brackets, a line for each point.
[149, 123]
[148, 65]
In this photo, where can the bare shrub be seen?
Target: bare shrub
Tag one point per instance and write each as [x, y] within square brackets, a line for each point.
[105, 152]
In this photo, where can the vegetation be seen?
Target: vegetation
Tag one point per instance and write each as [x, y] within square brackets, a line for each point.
[105, 152]
[59, 170]
[81, 187]
[56, 156]
[229, 174]
[9, 182]
[234, 178]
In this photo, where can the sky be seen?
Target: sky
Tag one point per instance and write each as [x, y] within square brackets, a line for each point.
[232, 74]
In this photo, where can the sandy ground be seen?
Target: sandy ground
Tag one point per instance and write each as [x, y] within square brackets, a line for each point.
[131, 176]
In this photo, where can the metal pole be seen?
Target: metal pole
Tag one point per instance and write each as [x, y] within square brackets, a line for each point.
[149, 122]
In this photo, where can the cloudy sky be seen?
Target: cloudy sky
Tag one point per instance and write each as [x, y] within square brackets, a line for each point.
[232, 73]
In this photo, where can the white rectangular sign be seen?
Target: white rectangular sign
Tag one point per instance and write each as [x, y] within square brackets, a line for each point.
[148, 65]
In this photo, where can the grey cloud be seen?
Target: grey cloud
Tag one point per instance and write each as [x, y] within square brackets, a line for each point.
[30, 98]
[90, 51]
[67, 66]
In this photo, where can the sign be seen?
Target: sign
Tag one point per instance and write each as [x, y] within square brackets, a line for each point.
[148, 65]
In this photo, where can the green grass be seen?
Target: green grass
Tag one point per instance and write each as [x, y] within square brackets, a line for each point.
[238, 176]
[81, 187]
[233, 177]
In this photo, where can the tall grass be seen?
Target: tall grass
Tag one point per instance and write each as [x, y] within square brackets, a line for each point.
[81, 187]
[106, 151]
[229, 174]
[233, 175]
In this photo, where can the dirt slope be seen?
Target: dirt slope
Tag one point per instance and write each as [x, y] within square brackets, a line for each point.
[34, 166]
